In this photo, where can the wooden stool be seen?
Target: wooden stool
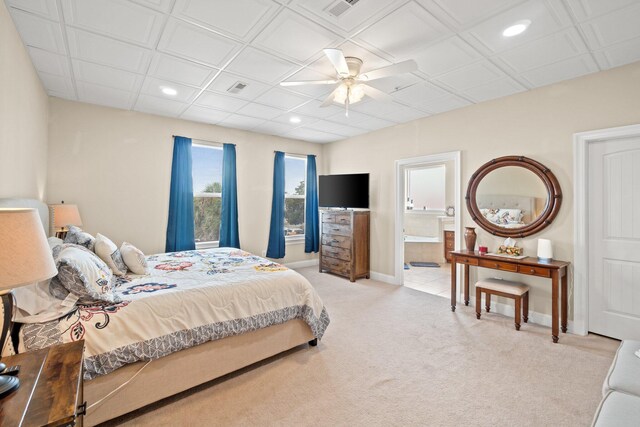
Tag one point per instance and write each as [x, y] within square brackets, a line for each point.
[507, 289]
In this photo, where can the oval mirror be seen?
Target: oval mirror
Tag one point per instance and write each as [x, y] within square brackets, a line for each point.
[513, 196]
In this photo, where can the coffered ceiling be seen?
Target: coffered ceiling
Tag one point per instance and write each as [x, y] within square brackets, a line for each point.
[123, 53]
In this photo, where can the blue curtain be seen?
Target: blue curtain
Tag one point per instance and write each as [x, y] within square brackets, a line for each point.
[229, 217]
[180, 230]
[311, 213]
[276, 231]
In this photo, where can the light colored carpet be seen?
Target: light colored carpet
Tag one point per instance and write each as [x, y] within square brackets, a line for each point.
[396, 356]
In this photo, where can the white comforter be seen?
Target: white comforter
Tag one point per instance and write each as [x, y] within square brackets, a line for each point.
[189, 298]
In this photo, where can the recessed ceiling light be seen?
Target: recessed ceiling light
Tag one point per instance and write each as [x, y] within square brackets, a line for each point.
[517, 28]
[169, 91]
[295, 119]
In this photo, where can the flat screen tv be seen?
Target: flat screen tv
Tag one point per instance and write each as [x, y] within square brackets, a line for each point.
[344, 191]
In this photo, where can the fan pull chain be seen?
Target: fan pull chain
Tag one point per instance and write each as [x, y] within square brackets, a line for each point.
[347, 101]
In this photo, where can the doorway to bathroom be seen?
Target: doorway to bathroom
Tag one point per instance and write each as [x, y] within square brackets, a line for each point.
[427, 218]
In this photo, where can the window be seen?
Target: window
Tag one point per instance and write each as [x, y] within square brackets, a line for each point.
[426, 188]
[295, 177]
[207, 192]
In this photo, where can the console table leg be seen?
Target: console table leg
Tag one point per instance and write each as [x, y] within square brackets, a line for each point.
[453, 284]
[466, 284]
[555, 316]
[564, 299]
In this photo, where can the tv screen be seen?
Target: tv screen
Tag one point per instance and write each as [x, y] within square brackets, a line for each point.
[344, 191]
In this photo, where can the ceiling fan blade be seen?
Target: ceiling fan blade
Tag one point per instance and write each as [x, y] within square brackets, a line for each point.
[376, 94]
[391, 70]
[309, 82]
[327, 102]
[337, 59]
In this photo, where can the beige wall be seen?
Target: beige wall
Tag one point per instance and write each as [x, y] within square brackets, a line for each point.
[116, 165]
[23, 118]
[537, 124]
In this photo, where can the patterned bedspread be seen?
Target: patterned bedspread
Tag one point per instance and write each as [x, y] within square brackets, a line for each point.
[189, 298]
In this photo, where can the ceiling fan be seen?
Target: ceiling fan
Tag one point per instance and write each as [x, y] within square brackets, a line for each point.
[351, 82]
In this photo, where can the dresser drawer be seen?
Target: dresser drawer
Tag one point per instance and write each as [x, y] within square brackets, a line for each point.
[534, 271]
[466, 260]
[336, 241]
[336, 265]
[337, 218]
[336, 252]
[449, 244]
[336, 229]
[497, 265]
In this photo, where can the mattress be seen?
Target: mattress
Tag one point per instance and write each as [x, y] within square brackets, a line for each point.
[188, 298]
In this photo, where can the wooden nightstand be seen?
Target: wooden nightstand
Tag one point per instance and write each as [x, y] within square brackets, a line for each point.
[50, 392]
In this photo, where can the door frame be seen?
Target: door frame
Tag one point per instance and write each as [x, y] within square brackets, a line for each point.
[401, 164]
[581, 143]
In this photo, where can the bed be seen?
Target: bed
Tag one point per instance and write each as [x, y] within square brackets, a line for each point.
[508, 211]
[197, 316]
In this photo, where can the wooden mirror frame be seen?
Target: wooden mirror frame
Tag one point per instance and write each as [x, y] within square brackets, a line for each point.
[554, 196]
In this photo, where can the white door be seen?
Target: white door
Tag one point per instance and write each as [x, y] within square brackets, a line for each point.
[614, 238]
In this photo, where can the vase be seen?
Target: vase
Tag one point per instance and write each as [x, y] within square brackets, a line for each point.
[470, 237]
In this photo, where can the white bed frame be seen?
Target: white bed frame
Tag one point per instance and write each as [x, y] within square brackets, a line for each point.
[180, 371]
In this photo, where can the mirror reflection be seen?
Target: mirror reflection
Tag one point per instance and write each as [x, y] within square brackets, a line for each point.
[511, 197]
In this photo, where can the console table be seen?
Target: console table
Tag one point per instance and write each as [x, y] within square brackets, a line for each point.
[554, 270]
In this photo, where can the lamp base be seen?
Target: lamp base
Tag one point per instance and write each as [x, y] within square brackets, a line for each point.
[8, 384]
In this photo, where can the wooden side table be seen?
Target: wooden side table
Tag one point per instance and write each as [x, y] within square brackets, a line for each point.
[50, 392]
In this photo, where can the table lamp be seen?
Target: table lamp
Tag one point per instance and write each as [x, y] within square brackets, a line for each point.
[64, 215]
[25, 258]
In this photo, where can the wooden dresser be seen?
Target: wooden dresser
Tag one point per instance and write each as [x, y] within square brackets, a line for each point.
[449, 244]
[344, 245]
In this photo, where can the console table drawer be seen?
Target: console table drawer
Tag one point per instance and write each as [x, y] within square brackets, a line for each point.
[336, 241]
[534, 271]
[465, 260]
[337, 218]
[336, 229]
[497, 265]
[336, 265]
[336, 252]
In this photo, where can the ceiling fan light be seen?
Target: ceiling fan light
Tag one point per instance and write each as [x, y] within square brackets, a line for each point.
[356, 93]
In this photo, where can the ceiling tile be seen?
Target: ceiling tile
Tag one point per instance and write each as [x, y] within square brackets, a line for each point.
[161, 5]
[301, 120]
[395, 83]
[220, 102]
[498, 88]
[374, 123]
[197, 44]
[115, 18]
[563, 70]
[403, 32]
[546, 18]
[586, 9]
[241, 122]
[262, 66]
[163, 107]
[106, 76]
[281, 99]
[446, 103]
[295, 37]
[335, 128]
[419, 94]
[103, 50]
[352, 120]
[619, 54]
[224, 81]
[153, 86]
[102, 95]
[313, 135]
[46, 8]
[446, 56]
[48, 62]
[348, 21]
[273, 128]
[260, 111]
[374, 108]
[205, 115]
[58, 84]
[238, 18]
[178, 70]
[615, 27]
[38, 32]
[544, 51]
[470, 76]
[461, 13]
[312, 108]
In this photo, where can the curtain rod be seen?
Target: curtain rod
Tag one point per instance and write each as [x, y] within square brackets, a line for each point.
[293, 154]
[205, 140]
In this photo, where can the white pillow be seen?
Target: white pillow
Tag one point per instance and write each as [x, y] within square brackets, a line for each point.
[53, 242]
[134, 258]
[110, 254]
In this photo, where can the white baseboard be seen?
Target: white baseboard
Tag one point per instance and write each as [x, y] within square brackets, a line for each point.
[386, 278]
[509, 310]
[302, 264]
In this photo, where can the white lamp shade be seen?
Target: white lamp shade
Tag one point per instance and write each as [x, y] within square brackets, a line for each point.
[64, 215]
[545, 250]
[25, 256]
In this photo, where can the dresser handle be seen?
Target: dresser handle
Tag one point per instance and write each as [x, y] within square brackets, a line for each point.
[532, 271]
[82, 409]
[334, 241]
[336, 229]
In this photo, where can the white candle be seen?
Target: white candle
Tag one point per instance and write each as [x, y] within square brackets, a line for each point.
[545, 251]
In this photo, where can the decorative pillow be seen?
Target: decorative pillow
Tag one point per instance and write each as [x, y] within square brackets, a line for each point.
[53, 242]
[134, 258]
[109, 253]
[76, 236]
[85, 275]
